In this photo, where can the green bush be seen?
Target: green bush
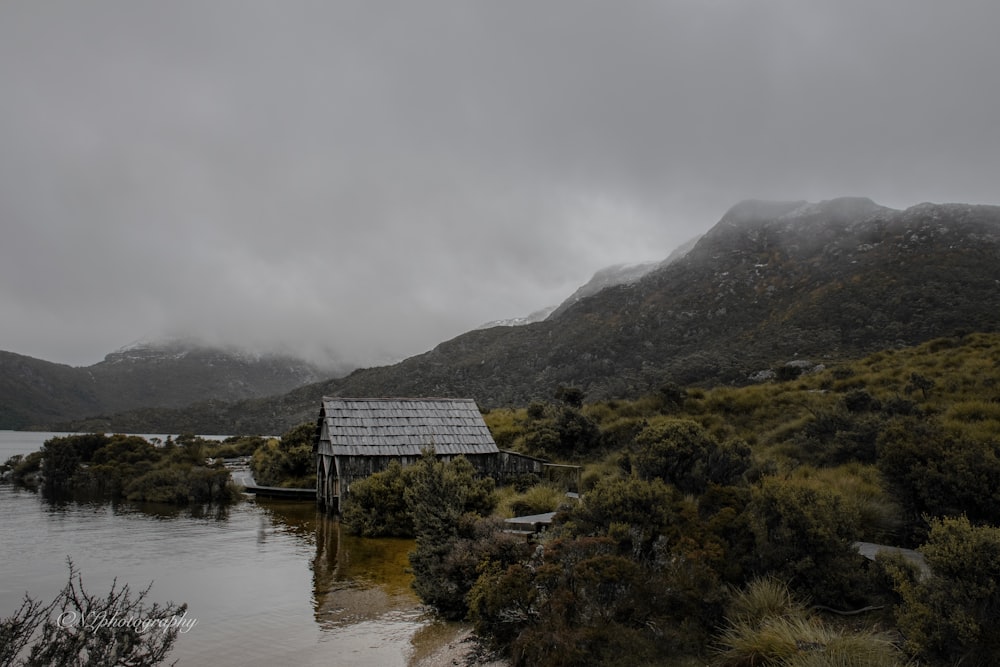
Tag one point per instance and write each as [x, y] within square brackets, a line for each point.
[288, 462]
[503, 602]
[954, 615]
[805, 536]
[129, 467]
[26, 469]
[376, 506]
[60, 461]
[636, 511]
[837, 436]
[129, 449]
[937, 473]
[483, 546]
[681, 452]
[181, 485]
[237, 446]
[444, 500]
[579, 601]
[562, 432]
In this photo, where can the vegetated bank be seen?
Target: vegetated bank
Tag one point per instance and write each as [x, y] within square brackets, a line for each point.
[184, 470]
[94, 466]
[719, 525]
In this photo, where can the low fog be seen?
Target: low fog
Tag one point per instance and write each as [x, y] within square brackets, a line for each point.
[360, 181]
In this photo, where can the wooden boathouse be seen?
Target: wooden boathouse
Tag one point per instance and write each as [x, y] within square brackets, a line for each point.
[361, 436]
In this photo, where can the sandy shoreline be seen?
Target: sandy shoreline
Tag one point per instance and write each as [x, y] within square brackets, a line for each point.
[455, 645]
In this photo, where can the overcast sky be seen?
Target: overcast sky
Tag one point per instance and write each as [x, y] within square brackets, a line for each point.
[369, 179]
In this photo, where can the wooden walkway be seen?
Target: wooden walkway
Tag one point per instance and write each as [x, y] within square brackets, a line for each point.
[245, 479]
[869, 550]
[529, 525]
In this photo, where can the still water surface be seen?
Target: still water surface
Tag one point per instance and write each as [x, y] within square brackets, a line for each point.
[267, 581]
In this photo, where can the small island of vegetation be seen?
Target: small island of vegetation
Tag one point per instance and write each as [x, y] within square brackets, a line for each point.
[181, 471]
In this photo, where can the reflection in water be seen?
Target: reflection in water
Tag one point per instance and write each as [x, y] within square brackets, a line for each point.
[269, 581]
[60, 505]
[357, 582]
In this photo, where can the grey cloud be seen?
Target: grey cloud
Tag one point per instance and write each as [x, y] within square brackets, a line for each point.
[372, 178]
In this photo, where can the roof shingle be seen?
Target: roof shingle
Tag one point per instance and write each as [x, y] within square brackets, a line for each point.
[405, 426]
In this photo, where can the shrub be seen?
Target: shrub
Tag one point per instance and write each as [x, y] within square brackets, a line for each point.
[933, 472]
[645, 508]
[859, 400]
[681, 452]
[805, 536]
[443, 499]
[26, 469]
[618, 434]
[237, 446]
[376, 506]
[503, 603]
[581, 604]
[128, 449]
[486, 547]
[60, 461]
[37, 637]
[132, 468]
[954, 615]
[288, 462]
[180, 485]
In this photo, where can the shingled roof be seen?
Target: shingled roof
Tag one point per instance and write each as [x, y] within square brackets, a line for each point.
[403, 427]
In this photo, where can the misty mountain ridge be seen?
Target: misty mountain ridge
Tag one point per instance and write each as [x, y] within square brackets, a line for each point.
[770, 283]
[169, 373]
[536, 316]
[610, 276]
[176, 371]
[618, 274]
[174, 348]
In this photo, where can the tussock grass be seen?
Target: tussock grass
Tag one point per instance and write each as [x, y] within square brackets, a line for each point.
[595, 472]
[505, 425]
[538, 499]
[767, 626]
[975, 410]
[763, 598]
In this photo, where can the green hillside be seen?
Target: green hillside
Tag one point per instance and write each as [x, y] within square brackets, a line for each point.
[721, 526]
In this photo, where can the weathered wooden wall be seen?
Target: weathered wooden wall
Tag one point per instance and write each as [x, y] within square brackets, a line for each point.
[334, 475]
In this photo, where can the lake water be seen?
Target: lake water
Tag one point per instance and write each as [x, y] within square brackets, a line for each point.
[267, 581]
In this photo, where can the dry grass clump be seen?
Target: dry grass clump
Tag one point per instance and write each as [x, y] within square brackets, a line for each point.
[768, 627]
[763, 598]
[538, 499]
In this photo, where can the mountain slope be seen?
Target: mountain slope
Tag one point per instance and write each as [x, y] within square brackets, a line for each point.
[170, 374]
[621, 274]
[36, 392]
[768, 282]
[610, 276]
[772, 281]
